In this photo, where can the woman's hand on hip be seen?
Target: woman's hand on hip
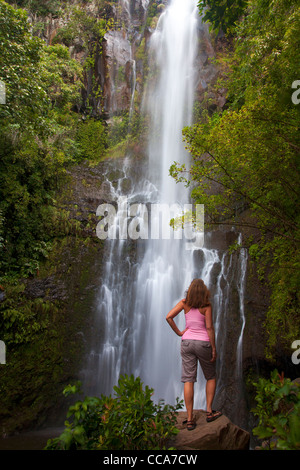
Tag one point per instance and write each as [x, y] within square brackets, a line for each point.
[214, 356]
[181, 333]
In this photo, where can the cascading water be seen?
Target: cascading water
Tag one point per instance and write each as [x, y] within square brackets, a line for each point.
[167, 267]
[143, 279]
[173, 50]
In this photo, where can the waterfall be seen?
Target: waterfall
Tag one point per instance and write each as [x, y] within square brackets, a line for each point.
[167, 267]
[241, 290]
[173, 51]
[133, 88]
[144, 278]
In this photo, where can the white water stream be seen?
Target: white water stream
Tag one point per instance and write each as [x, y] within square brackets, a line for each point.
[142, 282]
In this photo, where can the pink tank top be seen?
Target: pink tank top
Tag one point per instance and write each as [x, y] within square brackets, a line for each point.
[195, 322]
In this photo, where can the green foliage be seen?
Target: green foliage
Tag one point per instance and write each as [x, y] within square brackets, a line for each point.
[1, 230]
[40, 7]
[61, 76]
[222, 14]
[92, 140]
[21, 319]
[266, 54]
[126, 127]
[130, 421]
[26, 99]
[248, 157]
[89, 30]
[154, 9]
[87, 27]
[278, 410]
[118, 129]
[39, 327]
[36, 139]
[40, 133]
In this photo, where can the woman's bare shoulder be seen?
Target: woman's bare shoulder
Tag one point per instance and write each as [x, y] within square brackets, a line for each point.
[205, 310]
[185, 306]
[208, 308]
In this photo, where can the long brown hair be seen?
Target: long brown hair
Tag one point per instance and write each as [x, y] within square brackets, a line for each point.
[197, 295]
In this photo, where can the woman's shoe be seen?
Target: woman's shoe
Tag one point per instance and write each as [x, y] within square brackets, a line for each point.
[211, 416]
[190, 425]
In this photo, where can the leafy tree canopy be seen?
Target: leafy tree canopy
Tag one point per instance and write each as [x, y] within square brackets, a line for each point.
[222, 14]
[41, 84]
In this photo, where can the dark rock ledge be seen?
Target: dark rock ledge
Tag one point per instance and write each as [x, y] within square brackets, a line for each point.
[220, 434]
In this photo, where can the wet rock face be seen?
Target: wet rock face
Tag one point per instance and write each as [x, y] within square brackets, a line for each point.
[117, 57]
[207, 72]
[119, 77]
[220, 239]
[113, 71]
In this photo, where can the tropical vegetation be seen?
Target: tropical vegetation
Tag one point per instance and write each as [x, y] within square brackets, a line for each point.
[244, 169]
[128, 421]
[278, 411]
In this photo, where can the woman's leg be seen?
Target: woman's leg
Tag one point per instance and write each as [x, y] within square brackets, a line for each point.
[210, 393]
[189, 399]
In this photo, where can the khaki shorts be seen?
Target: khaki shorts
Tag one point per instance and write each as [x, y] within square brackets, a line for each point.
[193, 351]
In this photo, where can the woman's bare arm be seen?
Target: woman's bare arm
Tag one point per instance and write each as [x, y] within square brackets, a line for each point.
[172, 314]
[211, 331]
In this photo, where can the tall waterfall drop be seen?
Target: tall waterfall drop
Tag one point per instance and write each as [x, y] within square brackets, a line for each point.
[143, 279]
[167, 267]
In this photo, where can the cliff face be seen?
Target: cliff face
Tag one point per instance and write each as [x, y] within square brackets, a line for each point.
[104, 37]
[116, 62]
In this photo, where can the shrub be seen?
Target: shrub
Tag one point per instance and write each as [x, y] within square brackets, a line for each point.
[91, 139]
[278, 410]
[130, 421]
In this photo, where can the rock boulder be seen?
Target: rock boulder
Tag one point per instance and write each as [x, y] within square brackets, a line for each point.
[220, 434]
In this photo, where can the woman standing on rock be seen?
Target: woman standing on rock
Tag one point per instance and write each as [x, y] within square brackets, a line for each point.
[198, 343]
